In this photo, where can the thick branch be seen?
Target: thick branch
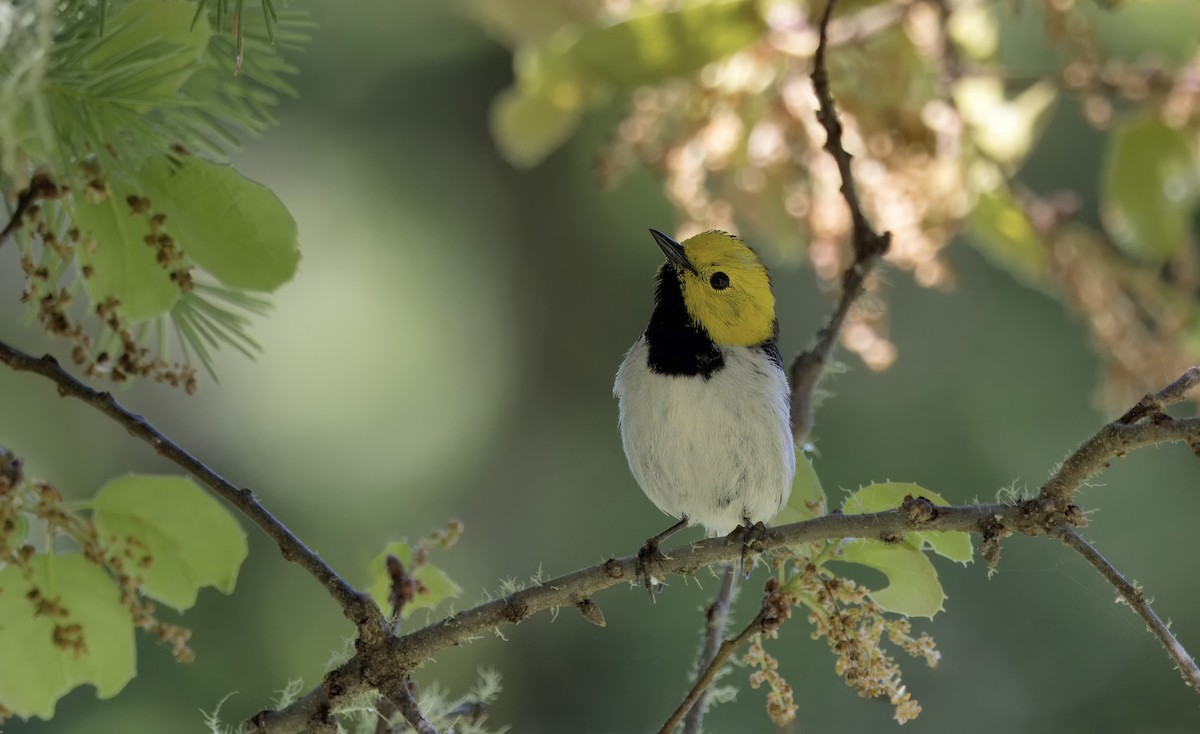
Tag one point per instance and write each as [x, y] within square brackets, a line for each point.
[1133, 596]
[401, 654]
[869, 246]
[1033, 517]
[357, 606]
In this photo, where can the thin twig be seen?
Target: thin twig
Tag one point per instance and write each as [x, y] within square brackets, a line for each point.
[704, 682]
[1115, 439]
[399, 692]
[869, 246]
[715, 617]
[38, 186]
[1136, 600]
[357, 606]
[385, 710]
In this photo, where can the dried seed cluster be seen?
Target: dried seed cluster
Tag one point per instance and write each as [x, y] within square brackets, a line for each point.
[51, 288]
[25, 501]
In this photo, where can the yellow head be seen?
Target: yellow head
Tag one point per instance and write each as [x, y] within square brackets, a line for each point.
[726, 288]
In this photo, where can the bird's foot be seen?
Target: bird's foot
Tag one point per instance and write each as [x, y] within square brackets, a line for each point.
[649, 553]
[749, 535]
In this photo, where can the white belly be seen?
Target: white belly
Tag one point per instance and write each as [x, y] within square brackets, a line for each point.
[718, 451]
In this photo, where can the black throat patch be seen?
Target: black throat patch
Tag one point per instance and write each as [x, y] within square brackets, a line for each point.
[678, 346]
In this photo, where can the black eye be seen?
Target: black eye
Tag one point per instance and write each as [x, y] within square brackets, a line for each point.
[719, 281]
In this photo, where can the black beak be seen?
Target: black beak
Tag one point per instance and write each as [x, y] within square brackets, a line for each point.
[674, 251]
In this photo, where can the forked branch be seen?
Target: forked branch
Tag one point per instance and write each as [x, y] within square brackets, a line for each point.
[869, 246]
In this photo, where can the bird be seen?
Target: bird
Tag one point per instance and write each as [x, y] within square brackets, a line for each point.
[703, 400]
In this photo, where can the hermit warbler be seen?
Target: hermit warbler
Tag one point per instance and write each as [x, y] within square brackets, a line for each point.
[703, 399]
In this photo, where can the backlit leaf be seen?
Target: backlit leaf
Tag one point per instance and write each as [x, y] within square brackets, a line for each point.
[236, 229]
[654, 46]
[558, 78]
[527, 127]
[888, 495]
[1004, 129]
[1151, 188]
[123, 266]
[1003, 233]
[438, 586]
[36, 672]
[913, 588]
[189, 537]
[807, 494]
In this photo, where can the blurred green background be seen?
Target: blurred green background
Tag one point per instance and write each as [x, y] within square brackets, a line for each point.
[448, 350]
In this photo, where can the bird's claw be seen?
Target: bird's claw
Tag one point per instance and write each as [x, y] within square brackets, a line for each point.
[648, 554]
[748, 535]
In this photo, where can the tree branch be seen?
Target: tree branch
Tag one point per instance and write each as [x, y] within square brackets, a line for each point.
[869, 246]
[399, 692]
[715, 617]
[694, 699]
[40, 185]
[1133, 596]
[1143, 424]
[358, 607]
[1037, 516]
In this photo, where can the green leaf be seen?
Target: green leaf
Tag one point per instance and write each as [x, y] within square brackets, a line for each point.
[236, 229]
[15, 537]
[36, 672]
[883, 496]
[1005, 130]
[648, 48]
[190, 538]
[1000, 229]
[438, 585]
[913, 588]
[1151, 188]
[527, 127]
[142, 24]
[123, 266]
[556, 79]
[974, 30]
[806, 494]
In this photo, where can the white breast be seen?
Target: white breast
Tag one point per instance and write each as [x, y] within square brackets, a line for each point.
[718, 451]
